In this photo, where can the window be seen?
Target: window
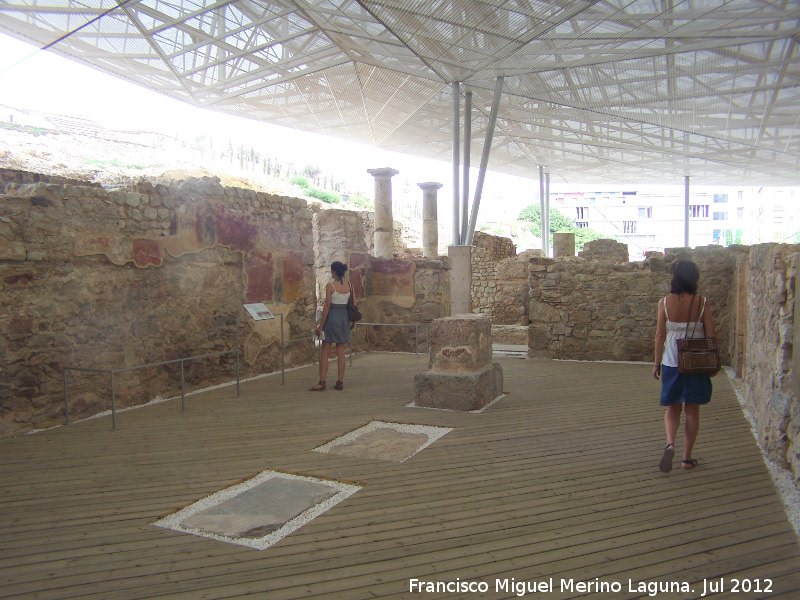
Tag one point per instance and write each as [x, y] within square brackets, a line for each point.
[720, 216]
[560, 201]
[699, 210]
[716, 235]
[583, 212]
[741, 194]
[629, 226]
[740, 212]
[720, 198]
[645, 212]
[581, 224]
[778, 219]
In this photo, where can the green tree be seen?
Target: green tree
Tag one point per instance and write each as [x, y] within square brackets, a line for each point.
[558, 224]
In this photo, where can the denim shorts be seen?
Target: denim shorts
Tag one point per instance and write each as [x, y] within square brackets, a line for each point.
[680, 388]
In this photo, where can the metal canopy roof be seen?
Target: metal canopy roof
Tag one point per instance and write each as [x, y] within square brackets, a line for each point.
[597, 91]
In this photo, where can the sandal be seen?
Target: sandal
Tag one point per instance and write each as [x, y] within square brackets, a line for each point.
[665, 466]
[689, 464]
[320, 387]
[339, 385]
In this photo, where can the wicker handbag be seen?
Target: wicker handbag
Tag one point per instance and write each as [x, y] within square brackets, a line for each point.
[697, 356]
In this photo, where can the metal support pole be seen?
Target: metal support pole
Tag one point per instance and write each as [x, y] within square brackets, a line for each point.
[542, 219]
[283, 359]
[183, 390]
[238, 379]
[456, 144]
[487, 147]
[113, 411]
[686, 212]
[66, 399]
[467, 148]
[416, 339]
[547, 209]
[355, 339]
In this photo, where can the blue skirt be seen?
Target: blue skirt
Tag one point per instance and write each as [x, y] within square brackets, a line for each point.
[337, 325]
[679, 388]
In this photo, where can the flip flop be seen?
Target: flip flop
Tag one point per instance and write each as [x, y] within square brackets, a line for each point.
[689, 464]
[665, 466]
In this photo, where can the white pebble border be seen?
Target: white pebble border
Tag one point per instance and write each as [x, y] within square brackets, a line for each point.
[174, 521]
[781, 477]
[480, 410]
[433, 433]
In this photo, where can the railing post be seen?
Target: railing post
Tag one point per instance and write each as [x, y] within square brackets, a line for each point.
[237, 356]
[183, 390]
[416, 339]
[66, 399]
[283, 360]
[113, 411]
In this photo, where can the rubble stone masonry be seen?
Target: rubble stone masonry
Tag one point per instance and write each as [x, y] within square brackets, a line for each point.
[109, 279]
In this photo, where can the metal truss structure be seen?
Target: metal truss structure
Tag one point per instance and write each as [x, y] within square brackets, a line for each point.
[597, 91]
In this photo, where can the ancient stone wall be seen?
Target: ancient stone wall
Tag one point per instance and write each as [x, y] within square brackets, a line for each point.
[767, 374]
[606, 309]
[605, 250]
[512, 291]
[487, 252]
[109, 279]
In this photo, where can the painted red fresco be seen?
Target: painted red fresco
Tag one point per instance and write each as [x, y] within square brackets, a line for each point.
[259, 272]
[292, 276]
[147, 252]
[392, 277]
[235, 231]
[357, 268]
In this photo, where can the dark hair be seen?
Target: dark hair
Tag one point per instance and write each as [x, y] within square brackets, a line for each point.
[684, 277]
[339, 268]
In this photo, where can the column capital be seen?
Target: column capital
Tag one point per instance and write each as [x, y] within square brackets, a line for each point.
[430, 185]
[383, 172]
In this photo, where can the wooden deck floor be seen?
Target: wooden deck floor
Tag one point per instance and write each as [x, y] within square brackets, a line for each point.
[558, 480]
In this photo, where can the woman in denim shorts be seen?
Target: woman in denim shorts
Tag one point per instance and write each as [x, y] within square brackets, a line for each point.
[678, 389]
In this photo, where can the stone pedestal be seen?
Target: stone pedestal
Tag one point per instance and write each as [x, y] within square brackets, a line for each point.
[460, 279]
[430, 219]
[563, 244]
[384, 223]
[461, 375]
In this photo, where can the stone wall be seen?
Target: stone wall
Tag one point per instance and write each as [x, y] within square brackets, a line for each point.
[487, 252]
[770, 282]
[512, 291]
[109, 279]
[606, 309]
[405, 289]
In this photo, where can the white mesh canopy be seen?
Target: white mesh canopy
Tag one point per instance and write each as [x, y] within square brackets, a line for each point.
[596, 91]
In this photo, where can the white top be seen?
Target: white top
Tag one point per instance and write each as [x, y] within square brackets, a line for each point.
[676, 331]
[337, 298]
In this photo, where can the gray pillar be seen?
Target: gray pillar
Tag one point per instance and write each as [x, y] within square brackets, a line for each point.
[460, 279]
[542, 215]
[384, 222]
[547, 211]
[430, 219]
[456, 140]
[686, 212]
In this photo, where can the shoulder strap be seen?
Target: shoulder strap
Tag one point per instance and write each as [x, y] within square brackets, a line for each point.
[665, 308]
[691, 303]
[700, 316]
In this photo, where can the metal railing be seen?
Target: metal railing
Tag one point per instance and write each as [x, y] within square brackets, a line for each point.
[111, 372]
[416, 327]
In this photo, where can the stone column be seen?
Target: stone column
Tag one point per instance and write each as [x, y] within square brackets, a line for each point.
[430, 219]
[563, 244]
[460, 279]
[384, 222]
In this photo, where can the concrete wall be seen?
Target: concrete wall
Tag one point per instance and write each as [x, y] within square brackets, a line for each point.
[108, 279]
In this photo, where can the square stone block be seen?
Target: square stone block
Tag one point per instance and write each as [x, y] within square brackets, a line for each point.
[460, 344]
[466, 391]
